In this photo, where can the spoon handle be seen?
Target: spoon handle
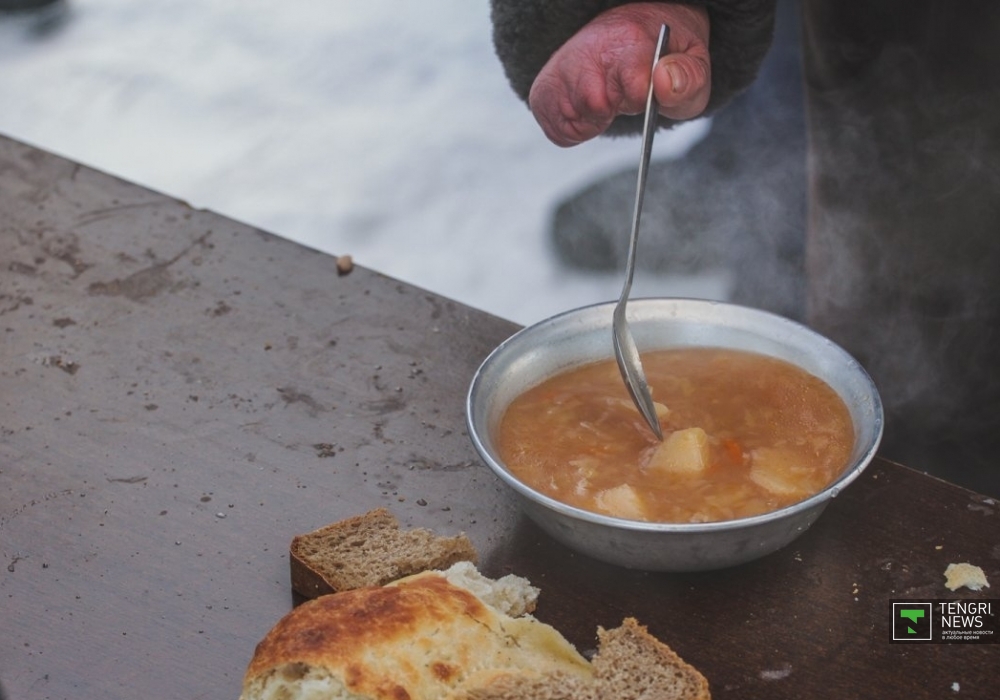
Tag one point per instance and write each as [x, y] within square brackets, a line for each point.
[648, 130]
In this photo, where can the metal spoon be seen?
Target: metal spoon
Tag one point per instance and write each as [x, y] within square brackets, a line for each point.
[625, 350]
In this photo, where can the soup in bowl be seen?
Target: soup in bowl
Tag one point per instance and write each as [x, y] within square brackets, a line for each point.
[764, 421]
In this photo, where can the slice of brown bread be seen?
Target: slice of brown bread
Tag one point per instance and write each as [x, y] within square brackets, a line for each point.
[369, 550]
[630, 664]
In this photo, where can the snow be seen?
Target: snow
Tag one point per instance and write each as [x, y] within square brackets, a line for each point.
[383, 130]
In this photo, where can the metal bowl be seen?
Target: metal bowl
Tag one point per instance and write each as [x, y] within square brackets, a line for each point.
[582, 336]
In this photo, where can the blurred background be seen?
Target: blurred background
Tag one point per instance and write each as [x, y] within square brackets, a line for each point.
[383, 130]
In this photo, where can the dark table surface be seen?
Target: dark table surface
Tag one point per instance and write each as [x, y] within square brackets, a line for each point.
[181, 393]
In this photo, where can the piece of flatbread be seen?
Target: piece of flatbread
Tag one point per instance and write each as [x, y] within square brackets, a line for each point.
[419, 637]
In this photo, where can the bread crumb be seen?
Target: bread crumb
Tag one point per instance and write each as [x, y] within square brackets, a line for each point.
[345, 263]
[967, 575]
[955, 687]
[777, 674]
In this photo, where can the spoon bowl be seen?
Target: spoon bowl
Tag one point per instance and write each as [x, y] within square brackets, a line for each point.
[630, 364]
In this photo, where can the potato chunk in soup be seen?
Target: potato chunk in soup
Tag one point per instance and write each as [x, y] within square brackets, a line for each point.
[743, 434]
[622, 502]
[684, 451]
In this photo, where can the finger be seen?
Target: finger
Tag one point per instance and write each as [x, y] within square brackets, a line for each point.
[568, 127]
[570, 115]
[682, 84]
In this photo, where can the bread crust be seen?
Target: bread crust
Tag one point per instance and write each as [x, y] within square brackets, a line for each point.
[330, 630]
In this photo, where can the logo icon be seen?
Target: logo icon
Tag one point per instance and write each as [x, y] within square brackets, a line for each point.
[913, 614]
[912, 621]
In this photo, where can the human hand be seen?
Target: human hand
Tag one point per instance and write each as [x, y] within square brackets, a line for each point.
[602, 71]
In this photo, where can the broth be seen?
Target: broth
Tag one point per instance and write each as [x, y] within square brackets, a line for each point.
[743, 434]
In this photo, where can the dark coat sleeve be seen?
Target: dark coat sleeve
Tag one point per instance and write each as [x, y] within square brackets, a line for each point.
[527, 32]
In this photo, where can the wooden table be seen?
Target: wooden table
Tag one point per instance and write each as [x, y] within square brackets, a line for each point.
[180, 394]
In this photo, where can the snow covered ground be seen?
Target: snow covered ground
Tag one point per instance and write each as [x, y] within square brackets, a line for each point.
[382, 129]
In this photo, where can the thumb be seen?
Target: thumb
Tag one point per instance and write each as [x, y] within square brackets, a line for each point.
[682, 84]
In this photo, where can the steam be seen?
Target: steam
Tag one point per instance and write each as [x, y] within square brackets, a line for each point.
[896, 256]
